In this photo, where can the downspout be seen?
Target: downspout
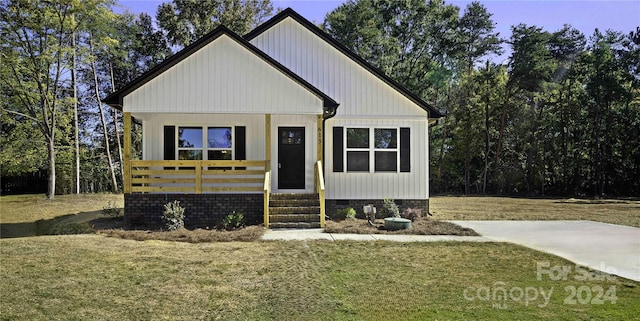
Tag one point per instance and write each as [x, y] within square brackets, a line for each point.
[327, 113]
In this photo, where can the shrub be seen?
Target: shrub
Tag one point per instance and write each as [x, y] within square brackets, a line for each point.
[110, 210]
[173, 215]
[346, 213]
[233, 221]
[389, 208]
[412, 214]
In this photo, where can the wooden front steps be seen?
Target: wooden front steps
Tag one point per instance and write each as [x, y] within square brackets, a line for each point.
[294, 210]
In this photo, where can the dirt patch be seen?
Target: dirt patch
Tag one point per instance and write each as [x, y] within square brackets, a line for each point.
[419, 227]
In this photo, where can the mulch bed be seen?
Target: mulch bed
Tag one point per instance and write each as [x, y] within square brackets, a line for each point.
[115, 227]
[246, 234]
[423, 226]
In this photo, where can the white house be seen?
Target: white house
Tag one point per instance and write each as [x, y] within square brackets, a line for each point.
[283, 124]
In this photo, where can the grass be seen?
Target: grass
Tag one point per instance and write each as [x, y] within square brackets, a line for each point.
[614, 211]
[30, 215]
[34, 207]
[422, 226]
[76, 277]
[33, 215]
[93, 277]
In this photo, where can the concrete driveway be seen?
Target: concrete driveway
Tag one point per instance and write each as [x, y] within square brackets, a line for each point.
[605, 247]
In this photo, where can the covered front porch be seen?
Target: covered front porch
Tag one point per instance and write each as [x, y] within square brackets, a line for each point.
[214, 188]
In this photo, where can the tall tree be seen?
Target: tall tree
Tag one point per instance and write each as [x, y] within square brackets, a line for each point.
[412, 41]
[530, 71]
[476, 39]
[35, 37]
[566, 47]
[477, 36]
[605, 87]
[184, 21]
[139, 47]
[76, 123]
[491, 80]
[105, 131]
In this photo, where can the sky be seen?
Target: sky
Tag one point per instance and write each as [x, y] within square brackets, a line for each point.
[551, 15]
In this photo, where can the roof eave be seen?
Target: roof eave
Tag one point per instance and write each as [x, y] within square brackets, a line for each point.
[113, 100]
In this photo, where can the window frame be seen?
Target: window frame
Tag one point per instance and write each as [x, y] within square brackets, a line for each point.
[205, 145]
[233, 142]
[372, 149]
[177, 142]
[348, 149]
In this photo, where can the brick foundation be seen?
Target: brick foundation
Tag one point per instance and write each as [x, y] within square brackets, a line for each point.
[201, 210]
[332, 206]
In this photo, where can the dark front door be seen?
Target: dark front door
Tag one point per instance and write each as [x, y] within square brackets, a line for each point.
[291, 157]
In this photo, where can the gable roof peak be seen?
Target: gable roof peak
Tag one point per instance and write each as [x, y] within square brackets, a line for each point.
[290, 13]
[115, 99]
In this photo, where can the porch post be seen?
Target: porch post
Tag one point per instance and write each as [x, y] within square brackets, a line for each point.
[267, 167]
[126, 179]
[320, 138]
[267, 141]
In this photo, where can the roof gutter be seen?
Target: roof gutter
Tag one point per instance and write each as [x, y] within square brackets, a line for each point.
[327, 113]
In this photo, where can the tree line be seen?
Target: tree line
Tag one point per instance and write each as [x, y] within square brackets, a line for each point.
[560, 117]
[60, 57]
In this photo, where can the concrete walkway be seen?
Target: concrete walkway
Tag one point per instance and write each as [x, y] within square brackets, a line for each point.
[605, 247]
[318, 234]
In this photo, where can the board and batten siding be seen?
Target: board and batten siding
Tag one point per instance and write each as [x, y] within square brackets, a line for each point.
[358, 91]
[400, 185]
[365, 101]
[223, 77]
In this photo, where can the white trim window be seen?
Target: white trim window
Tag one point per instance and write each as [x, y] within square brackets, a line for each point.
[190, 143]
[385, 146]
[371, 148]
[220, 143]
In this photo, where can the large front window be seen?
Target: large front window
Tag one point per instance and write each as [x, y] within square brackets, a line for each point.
[219, 144]
[375, 148]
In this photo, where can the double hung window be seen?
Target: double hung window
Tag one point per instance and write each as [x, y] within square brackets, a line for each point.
[368, 148]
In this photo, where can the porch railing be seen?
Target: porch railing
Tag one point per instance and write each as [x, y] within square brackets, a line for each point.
[193, 176]
[319, 188]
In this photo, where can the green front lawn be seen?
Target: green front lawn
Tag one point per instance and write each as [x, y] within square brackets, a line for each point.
[104, 278]
[95, 277]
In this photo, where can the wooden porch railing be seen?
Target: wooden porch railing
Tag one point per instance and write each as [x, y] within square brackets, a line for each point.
[193, 176]
[319, 188]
